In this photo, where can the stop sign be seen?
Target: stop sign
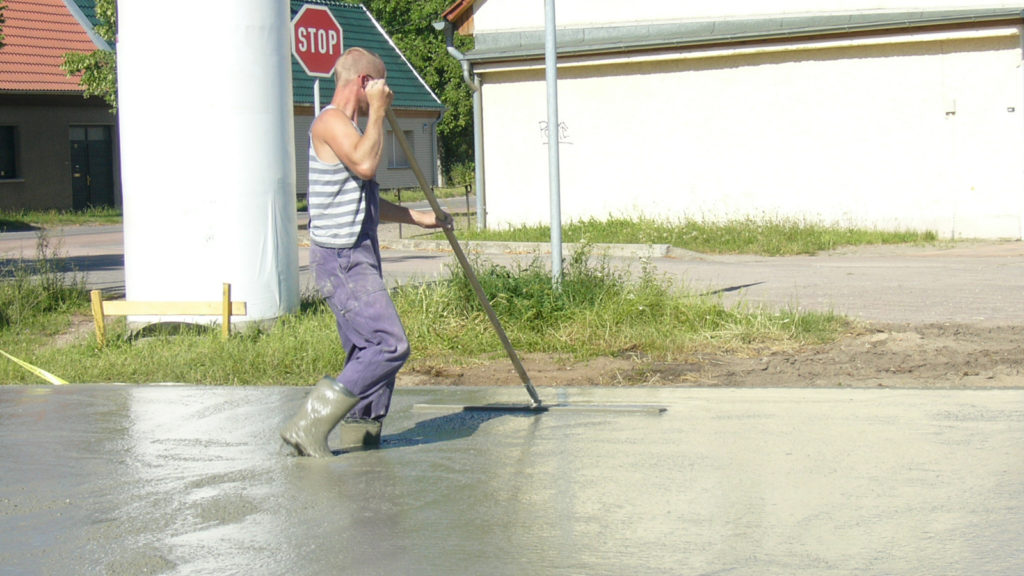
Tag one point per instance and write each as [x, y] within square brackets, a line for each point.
[316, 40]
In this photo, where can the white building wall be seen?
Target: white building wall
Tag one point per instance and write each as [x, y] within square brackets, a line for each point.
[922, 131]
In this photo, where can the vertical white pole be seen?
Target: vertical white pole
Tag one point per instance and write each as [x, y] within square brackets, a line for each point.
[478, 158]
[551, 67]
[235, 221]
[316, 97]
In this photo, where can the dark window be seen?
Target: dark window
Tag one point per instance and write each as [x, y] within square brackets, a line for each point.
[8, 152]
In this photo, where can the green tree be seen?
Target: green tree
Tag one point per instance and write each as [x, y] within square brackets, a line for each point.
[3, 5]
[409, 23]
[98, 69]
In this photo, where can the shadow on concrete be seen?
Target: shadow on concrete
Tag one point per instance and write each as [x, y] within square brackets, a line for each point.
[445, 428]
[95, 262]
[414, 257]
[92, 263]
[15, 226]
[731, 289]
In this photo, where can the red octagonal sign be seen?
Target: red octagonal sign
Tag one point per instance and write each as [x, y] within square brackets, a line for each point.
[316, 40]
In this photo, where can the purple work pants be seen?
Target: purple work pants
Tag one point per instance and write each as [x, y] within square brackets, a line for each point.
[371, 332]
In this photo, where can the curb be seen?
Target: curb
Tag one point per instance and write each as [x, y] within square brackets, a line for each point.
[542, 248]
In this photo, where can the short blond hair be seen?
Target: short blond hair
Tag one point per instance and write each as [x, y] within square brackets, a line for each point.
[355, 62]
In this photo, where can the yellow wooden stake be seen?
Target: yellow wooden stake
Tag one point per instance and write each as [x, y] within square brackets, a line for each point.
[226, 313]
[97, 315]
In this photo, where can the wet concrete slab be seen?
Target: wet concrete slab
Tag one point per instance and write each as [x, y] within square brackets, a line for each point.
[103, 479]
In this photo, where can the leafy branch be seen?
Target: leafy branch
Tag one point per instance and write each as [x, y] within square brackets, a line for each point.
[98, 69]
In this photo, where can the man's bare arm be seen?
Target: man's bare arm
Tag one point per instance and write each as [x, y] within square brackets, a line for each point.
[390, 212]
[335, 135]
[336, 139]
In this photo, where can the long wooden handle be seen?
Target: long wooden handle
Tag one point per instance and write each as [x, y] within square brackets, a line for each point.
[463, 261]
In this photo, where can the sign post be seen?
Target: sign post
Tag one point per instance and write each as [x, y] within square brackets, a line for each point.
[551, 81]
[316, 44]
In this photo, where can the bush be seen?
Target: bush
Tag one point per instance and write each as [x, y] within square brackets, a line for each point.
[462, 174]
[30, 289]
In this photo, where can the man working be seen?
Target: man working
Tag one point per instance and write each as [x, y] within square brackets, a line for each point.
[344, 210]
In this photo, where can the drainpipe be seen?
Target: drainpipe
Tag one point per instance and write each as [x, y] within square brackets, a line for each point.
[435, 161]
[473, 81]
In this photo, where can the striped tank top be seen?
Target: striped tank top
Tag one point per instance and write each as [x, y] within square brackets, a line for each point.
[337, 202]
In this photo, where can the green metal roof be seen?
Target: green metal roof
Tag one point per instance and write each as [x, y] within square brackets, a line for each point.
[529, 44]
[360, 29]
[88, 8]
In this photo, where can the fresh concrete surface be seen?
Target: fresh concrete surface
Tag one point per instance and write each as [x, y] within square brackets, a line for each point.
[102, 479]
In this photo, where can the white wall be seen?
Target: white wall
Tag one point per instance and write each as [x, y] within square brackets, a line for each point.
[894, 132]
[508, 15]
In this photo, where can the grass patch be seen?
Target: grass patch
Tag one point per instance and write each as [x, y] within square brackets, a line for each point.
[407, 195]
[39, 292]
[764, 237]
[11, 221]
[598, 311]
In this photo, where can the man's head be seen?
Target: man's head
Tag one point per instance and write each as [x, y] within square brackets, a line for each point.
[359, 65]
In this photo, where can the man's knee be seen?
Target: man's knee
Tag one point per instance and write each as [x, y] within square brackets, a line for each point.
[400, 350]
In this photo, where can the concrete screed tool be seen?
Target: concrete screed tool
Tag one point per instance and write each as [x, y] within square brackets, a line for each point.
[535, 404]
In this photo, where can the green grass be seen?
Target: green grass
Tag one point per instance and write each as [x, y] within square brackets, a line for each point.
[767, 237]
[407, 195]
[14, 220]
[38, 293]
[597, 311]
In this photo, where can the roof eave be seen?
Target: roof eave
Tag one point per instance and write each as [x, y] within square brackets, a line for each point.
[582, 42]
[459, 13]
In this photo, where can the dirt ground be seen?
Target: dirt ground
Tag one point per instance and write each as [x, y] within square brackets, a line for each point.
[943, 356]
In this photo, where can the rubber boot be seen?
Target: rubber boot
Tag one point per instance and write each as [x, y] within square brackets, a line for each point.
[359, 434]
[324, 407]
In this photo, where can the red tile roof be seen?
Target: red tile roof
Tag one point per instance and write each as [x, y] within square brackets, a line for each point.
[461, 15]
[37, 34]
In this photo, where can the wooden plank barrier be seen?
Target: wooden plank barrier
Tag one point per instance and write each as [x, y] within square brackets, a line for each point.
[225, 309]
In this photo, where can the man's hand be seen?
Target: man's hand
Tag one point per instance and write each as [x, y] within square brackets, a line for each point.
[379, 94]
[428, 219]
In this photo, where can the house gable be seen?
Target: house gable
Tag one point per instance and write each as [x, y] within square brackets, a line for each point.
[360, 29]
